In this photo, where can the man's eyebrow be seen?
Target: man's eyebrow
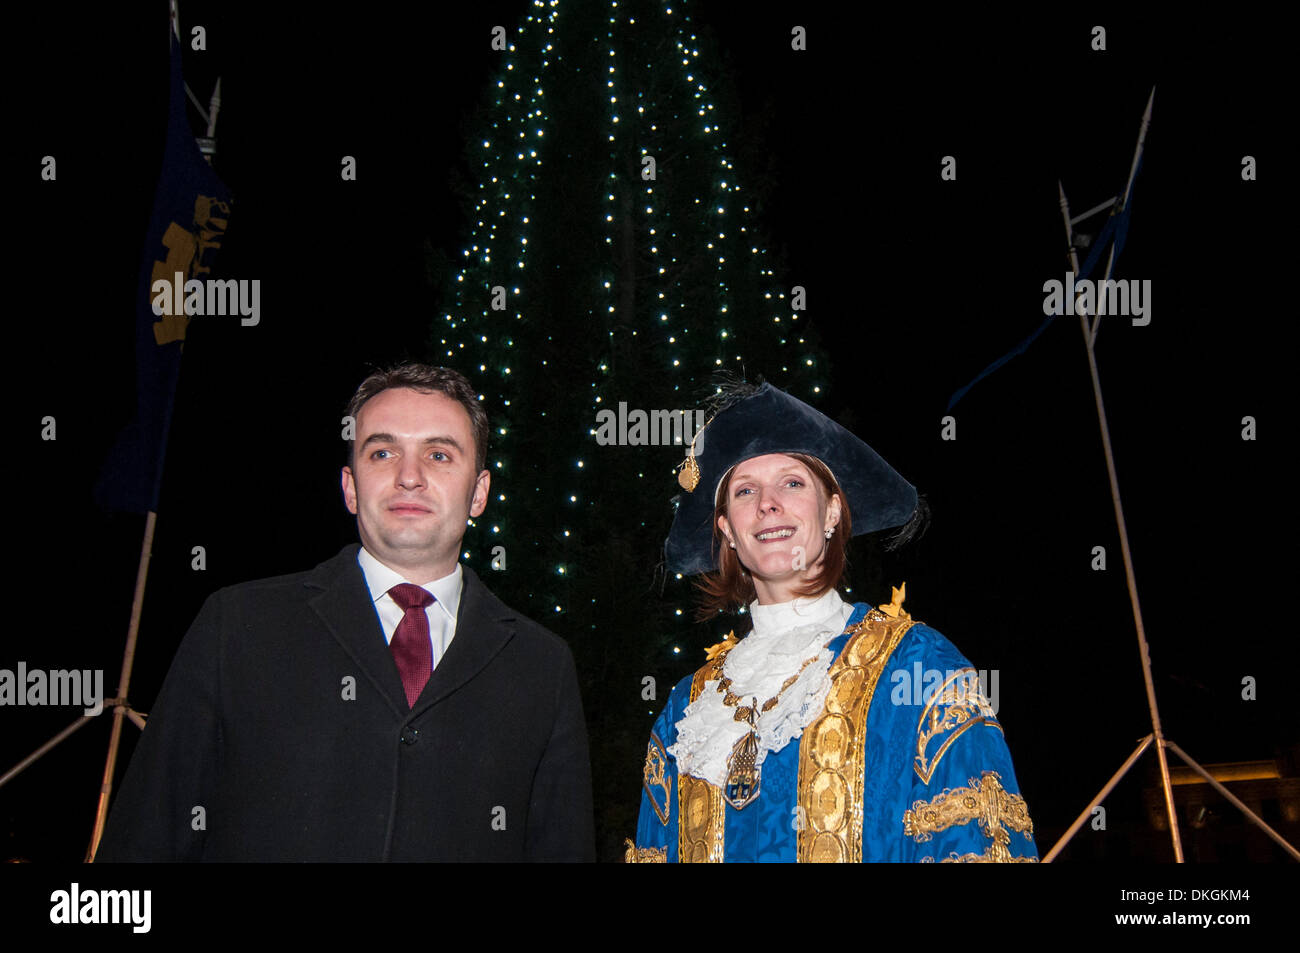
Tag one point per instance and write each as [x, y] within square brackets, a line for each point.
[444, 440]
[441, 440]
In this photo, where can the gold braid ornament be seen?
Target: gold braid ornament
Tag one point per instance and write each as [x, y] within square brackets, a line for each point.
[986, 803]
[832, 751]
[701, 812]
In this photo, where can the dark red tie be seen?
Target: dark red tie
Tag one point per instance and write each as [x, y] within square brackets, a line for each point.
[410, 645]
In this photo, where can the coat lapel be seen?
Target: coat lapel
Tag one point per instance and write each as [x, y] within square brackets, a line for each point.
[484, 624]
[339, 595]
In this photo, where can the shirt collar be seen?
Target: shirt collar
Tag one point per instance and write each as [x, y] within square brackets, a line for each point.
[780, 617]
[381, 578]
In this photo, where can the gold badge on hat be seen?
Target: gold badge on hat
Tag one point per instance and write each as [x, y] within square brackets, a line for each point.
[689, 472]
[689, 469]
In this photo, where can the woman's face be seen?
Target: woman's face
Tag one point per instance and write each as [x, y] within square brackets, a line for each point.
[777, 515]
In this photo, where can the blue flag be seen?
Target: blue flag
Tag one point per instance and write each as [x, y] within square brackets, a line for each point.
[190, 210]
[1116, 229]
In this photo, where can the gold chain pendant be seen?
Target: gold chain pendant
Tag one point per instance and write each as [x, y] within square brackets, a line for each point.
[742, 763]
[742, 766]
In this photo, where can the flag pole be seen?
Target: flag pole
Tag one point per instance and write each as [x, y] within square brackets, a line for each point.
[121, 708]
[124, 681]
[214, 107]
[1157, 736]
[1123, 204]
[120, 704]
[1143, 650]
[209, 148]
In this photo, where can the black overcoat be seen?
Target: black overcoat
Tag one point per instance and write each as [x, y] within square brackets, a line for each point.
[282, 733]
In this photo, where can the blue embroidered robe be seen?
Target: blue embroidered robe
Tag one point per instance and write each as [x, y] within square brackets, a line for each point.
[937, 781]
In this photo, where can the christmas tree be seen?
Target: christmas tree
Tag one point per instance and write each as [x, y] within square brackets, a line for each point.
[614, 266]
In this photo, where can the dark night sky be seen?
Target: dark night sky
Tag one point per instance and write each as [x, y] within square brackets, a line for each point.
[914, 284]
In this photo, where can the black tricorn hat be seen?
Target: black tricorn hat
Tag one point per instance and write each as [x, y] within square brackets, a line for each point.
[771, 421]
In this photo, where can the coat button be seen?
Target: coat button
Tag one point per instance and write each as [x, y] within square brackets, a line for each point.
[410, 735]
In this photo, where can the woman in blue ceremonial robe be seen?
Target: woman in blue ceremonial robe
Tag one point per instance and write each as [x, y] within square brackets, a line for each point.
[833, 731]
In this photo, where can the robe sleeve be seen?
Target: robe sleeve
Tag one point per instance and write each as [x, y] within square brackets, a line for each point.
[656, 830]
[965, 804]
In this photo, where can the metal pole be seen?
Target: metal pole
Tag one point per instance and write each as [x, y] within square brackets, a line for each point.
[1101, 796]
[214, 107]
[128, 660]
[1123, 204]
[1233, 800]
[1143, 650]
[27, 762]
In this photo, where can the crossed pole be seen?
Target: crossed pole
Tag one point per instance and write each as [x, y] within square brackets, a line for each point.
[1157, 737]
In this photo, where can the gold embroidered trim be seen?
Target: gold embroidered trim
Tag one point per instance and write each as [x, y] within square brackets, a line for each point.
[984, 858]
[959, 704]
[832, 750]
[700, 809]
[986, 802]
[653, 780]
[644, 855]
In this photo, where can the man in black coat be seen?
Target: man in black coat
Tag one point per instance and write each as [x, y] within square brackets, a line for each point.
[343, 714]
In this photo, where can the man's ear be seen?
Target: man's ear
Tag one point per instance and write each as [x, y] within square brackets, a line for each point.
[478, 502]
[349, 490]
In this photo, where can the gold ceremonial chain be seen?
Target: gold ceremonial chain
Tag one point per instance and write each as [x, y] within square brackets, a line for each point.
[742, 764]
[730, 698]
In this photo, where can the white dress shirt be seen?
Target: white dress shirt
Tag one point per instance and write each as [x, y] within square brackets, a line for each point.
[441, 613]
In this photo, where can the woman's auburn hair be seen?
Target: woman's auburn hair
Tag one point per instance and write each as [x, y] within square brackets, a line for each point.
[731, 588]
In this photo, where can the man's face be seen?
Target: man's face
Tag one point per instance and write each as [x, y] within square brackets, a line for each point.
[412, 483]
[777, 515]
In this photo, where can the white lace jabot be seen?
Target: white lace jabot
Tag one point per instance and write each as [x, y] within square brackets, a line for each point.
[785, 636]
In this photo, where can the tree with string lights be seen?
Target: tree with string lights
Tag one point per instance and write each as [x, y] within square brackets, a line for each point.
[614, 265]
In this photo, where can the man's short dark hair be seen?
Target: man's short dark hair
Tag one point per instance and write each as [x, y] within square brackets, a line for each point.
[426, 380]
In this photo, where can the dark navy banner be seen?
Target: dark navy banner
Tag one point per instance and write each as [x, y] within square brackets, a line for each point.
[190, 211]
